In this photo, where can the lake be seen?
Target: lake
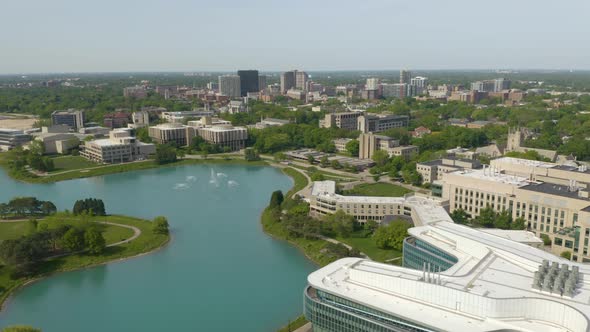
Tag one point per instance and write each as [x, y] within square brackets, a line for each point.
[220, 272]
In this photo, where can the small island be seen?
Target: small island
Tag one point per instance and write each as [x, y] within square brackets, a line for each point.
[37, 241]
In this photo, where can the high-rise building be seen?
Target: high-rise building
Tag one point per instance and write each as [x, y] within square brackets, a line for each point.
[229, 85]
[501, 84]
[405, 76]
[248, 81]
[287, 81]
[378, 123]
[396, 90]
[372, 84]
[73, 118]
[301, 80]
[262, 82]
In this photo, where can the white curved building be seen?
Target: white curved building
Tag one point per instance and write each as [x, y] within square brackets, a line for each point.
[455, 278]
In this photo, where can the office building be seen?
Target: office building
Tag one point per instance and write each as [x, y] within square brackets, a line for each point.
[208, 121]
[230, 86]
[419, 84]
[397, 90]
[369, 143]
[120, 147]
[12, 138]
[501, 84]
[378, 122]
[548, 207]
[262, 79]
[248, 81]
[139, 119]
[270, 122]
[117, 120]
[225, 136]
[175, 133]
[483, 86]
[343, 120]
[301, 80]
[296, 94]
[340, 144]
[405, 77]
[372, 84]
[454, 278]
[434, 169]
[167, 91]
[61, 143]
[288, 81]
[137, 92]
[71, 117]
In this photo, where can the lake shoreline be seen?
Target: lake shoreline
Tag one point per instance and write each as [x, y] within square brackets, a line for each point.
[11, 292]
[121, 168]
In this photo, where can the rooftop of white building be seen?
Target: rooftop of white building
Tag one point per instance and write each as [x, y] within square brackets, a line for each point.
[489, 288]
[523, 162]
[489, 174]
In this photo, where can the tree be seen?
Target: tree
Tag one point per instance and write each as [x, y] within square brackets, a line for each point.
[48, 208]
[95, 242]
[73, 240]
[340, 223]
[392, 236]
[165, 154]
[353, 147]
[380, 157]
[324, 162]
[276, 199]
[4, 210]
[371, 225]
[251, 155]
[20, 328]
[310, 159]
[460, 216]
[566, 254]
[160, 225]
[486, 218]
[335, 164]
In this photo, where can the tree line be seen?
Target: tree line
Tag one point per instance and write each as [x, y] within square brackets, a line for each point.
[89, 206]
[26, 207]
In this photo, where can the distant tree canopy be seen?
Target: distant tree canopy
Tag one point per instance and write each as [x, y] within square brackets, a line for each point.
[90, 206]
[276, 199]
[251, 154]
[26, 206]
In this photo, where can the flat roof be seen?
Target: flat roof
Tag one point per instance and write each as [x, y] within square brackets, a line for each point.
[554, 189]
[489, 175]
[489, 288]
[523, 162]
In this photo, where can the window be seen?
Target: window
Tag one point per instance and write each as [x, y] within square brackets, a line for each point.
[569, 244]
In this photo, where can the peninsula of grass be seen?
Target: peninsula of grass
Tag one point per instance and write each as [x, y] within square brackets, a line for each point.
[367, 245]
[146, 242]
[377, 189]
[69, 171]
[299, 180]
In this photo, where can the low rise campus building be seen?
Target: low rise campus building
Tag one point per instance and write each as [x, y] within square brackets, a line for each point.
[434, 169]
[12, 138]
[369, 143]
[225, 136]
[553, 203]
[120, 147]
[375, 123]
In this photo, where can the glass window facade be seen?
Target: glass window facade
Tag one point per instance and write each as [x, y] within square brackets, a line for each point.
[417, 253]
[330, 313]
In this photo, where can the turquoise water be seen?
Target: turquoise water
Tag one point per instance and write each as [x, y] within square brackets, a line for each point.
[219, 273]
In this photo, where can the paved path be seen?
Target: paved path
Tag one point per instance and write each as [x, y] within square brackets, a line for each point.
[136, 232]
[331, 240]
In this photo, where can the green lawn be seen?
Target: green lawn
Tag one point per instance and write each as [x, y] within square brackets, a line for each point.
[67, 163]
[300, 181]
[367, 246]
[146, 242]
[377, 189]
[294, 325]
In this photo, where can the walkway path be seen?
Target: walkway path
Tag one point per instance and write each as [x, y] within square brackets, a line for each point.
[136, 232]
[331, 240]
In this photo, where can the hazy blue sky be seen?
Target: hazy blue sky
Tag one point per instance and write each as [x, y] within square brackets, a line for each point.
[183, 35]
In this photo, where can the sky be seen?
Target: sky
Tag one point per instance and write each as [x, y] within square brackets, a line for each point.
[41, 36]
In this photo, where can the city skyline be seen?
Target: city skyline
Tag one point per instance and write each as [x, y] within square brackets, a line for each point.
[66, 36]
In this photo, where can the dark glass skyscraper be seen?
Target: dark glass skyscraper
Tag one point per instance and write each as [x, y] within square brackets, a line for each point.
[248, 81]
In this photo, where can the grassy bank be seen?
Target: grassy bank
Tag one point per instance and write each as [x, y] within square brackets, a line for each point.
[76, 173]
[146, 242]
[299, 180]
[294, 325]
